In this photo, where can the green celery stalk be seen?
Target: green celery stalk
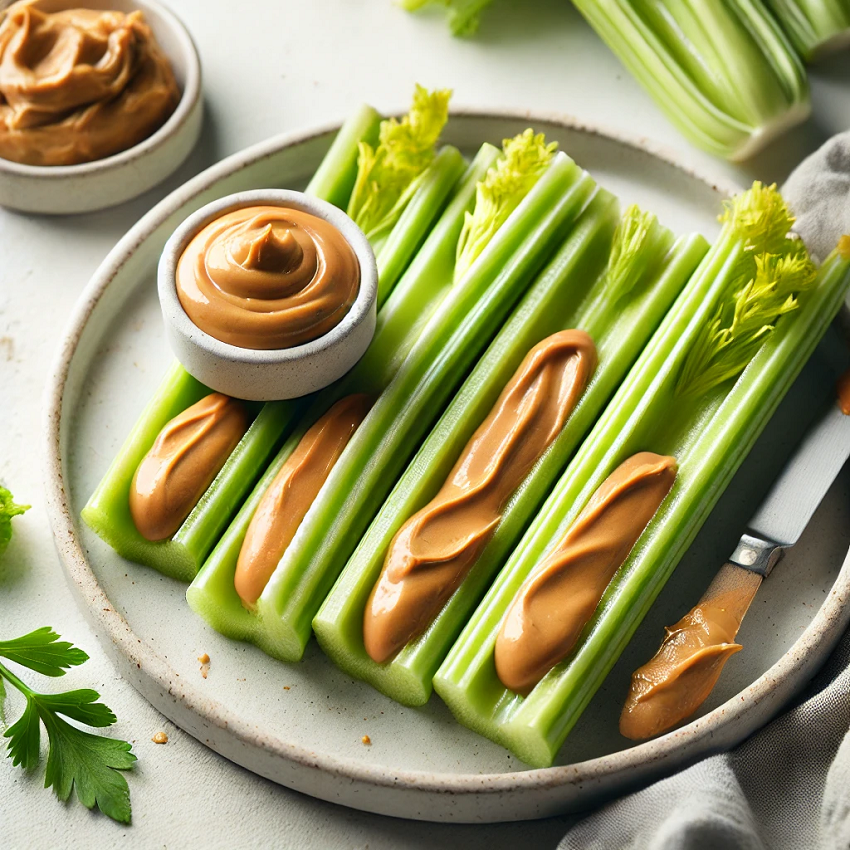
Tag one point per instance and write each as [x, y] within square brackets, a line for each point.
[620, 308]
[427, 281]
[721, 70]
[816, 27]
[395, 251]
[463, 323]
[107, 511]
[335, 177]
[709, 433]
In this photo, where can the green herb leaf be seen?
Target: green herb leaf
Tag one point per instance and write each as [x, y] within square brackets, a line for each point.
[8, 509]
[89, 764]
[76, 759]
[43, 651]
[388, 175]
[524, 159]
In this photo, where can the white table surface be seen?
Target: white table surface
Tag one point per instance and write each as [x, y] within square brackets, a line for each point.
[272, 66]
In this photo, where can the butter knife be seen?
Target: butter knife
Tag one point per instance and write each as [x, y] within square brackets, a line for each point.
[678, 679]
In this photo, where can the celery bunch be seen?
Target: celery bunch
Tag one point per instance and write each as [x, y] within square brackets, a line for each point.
[817, 27]
[722, 70]
[419, 297]
[614, 283]
[703, 389]
[107, 511]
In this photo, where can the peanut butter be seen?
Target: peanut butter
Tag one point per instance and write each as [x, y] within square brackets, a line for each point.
[79, 84]
[679, 677]
[291, 493]
[560, 596]
[434, 550]
[267, 277]
[185, 458]
[843, 390]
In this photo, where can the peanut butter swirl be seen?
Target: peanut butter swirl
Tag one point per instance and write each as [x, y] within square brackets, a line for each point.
[678, 678]
[434, 550]
[291, 493]
[267, 277]
[185, 458]
[560, 596]
[79, 84]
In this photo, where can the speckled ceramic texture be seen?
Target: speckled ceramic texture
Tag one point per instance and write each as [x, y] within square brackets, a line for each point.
[302, 724]
[115, 179]
[278, 373]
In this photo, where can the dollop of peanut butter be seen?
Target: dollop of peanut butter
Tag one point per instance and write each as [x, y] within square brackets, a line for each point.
[434, 550]
[79, 84]
[185, 458]
[559, 597]
[678, 678]
[291, 493]
[267, 277]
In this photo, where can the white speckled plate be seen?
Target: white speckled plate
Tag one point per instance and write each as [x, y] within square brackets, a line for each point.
[301, 725]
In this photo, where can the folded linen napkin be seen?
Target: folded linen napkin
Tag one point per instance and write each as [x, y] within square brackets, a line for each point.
[788, 786]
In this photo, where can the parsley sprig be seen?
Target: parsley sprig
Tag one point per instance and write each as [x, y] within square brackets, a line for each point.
[76, 759]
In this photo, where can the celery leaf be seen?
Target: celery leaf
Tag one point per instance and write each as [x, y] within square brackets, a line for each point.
[43, 652]
[389, 174]
[524, 159]
[464, 15]
[8, 509]
[627, 261]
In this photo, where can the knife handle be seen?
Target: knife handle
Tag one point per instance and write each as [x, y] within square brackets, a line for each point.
[757, 555]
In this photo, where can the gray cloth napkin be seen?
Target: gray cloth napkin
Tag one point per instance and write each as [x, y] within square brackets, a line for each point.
[788, 786]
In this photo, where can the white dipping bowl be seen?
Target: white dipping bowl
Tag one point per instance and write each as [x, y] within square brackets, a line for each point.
[114, 179]
[267, 375]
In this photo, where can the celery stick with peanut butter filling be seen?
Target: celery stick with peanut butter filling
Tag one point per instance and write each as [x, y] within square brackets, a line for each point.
[435, 549]
[186, 456]
[553, 606]
[291, 493]
[614, 278]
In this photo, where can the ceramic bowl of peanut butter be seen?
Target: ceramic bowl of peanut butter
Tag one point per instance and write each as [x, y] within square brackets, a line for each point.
[268, 294]
[99, 101]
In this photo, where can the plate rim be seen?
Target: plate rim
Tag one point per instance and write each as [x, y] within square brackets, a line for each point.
[711, 733]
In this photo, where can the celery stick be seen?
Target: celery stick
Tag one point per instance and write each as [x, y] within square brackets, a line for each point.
[335, 177]
[816, 27]
[723, 72]
[709, 434]
[570, 293]
[370, 464]
[422, 287]
[404, 240]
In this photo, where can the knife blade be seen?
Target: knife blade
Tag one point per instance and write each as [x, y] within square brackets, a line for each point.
[695, 650]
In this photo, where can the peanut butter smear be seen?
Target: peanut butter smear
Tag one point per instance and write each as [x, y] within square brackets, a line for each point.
[434, 550]
[267, 277]
[843, 390]
[291, 493]
[560, 596]
[679, 677]
[182, 463]
[79, 84]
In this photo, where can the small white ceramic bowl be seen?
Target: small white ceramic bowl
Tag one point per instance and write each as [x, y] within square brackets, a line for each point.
[266, 375]
[115, 179]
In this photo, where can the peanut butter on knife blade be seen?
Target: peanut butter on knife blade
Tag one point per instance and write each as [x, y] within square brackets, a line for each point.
[560, 596]
[291, 493]
[185, 458]
[434, 550]
[674, 683]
